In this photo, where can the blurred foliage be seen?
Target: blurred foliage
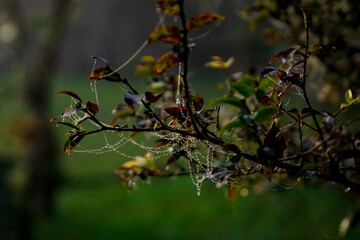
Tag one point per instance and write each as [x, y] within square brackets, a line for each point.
[334, 24]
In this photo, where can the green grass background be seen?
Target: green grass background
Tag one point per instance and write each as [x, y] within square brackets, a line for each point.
[92, 203]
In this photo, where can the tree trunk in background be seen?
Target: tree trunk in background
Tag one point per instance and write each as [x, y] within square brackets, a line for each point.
[42, 172]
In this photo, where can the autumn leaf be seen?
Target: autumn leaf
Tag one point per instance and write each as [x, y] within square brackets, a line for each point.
[170, 7]
[104, 73]
[132, 99]
[146, 67]
[166, 62]
[285, 55]
[151, 98]
[203, 19]
[92, 107]
[166, 33]
[219, 63]
[72, 94]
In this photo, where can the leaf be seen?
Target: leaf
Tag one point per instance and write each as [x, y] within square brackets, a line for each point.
[203, 19]
[104, 73]
[286, 55]
[248, 80]
[72, 94]
[105, 61]
[218, 63]
[170, 7]
[197, 101]
[349, 96]
[227, 100]
[69, 124]
[264, 114]
[72, 141]
[165, 33]
[166, 62]
[132, 99]
[231, 125]
[243, 89]
[146, 67]
[130, 165]
[267, 71]
[151, 98]
[173, 111]
[92, 107]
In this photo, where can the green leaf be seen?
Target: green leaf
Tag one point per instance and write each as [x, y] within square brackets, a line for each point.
[165, 33]
[243, 89]
[264, 114]
[69, 124]
[349, 96]
[166, 62]
[72, 141]
[248, 80]
[203, 19]
[227, 100]
[72, 94]
[231, 125]
[170, 7]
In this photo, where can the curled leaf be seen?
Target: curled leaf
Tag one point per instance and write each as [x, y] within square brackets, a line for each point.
[69, 124]
[72, 94]
[105, 61]
[203, 19]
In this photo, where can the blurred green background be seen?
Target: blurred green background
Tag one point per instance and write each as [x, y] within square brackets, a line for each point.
[46, 47]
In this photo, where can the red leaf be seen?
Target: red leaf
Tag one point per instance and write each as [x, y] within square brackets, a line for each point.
[285, 55]
[72, 94]
[170, 7]
[166, 62]
[92, 107]
[173, 111]
[167, 33]
[203, 19]
[103, 72]
[151, 98]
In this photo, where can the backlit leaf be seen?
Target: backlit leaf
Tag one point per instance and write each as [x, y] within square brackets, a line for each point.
[104, 73]
[166, 62]
[348, 96]
[165, 33]
[203, 19]
[72, 94]
[170, 7]
[173, 111]
[219, 63]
